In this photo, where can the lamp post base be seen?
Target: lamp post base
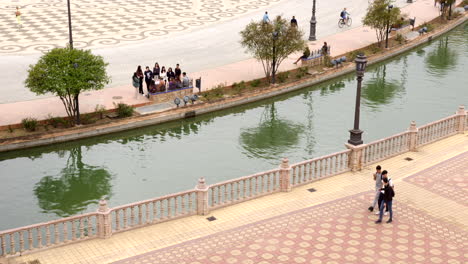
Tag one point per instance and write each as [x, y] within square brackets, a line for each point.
[313, 24]
[355, 137]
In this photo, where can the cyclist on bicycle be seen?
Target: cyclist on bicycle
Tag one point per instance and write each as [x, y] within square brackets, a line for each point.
[344, 15]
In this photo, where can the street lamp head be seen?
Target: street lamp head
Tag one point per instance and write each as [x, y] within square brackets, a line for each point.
[390, 7]
[361, 62]
[275, 34]
[75, 65]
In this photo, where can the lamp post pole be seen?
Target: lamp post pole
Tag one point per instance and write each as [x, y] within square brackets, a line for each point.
[69, 25]
[313, 23]
[355, 133]
[388, 25]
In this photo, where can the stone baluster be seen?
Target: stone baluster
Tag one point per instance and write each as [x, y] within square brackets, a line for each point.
[461, 126]
[238, 190]
[269, 189]
[104, 224]
[355, 161]
[169, 208]
[65, 231]
[82, 228]
[56, 234]
[90, 227]
[413, 136]
[244, 186]
[3, 245]
[117, 220]
[155, 211]
[140, 215]
[47, 235]
[132, 215]
[176, 206]
[182, 201]
[250, 187]
[285, 172]
[190, 197]
[39, 237]
[161, 210]
[30, 239]
[219, 194]
[12, 244]
[225, 193]
[21, 239]
[202, 197]
[125, 220]
[232, 192]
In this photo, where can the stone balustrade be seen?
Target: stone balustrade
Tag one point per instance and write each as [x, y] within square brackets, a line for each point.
[203, 198]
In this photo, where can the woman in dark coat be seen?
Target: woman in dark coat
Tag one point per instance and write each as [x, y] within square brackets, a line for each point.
[140, 76]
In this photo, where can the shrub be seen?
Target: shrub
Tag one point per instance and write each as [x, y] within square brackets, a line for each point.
[255, 83]
[30, 124]
[374, 49]
[456, 14]
[124, 110]
[10, 129]
[283, 76]
[303, 70]
[400, 38]
[238, 87]
[216, 93]
[56, 121]
[87, 119]
[100, 110]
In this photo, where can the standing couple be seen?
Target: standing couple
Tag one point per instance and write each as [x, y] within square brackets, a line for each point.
[384, 193]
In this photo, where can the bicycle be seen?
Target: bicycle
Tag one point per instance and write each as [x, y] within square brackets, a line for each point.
[341, 22]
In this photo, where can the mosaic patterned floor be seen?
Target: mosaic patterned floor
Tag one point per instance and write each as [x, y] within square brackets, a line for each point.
[341, 231]
[109, 22]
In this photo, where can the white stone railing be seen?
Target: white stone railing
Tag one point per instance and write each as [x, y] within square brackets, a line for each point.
[203, 198]
[438, 130]
[49, 234]
[385, 148]
[243, 189]
[153, 211]
[310, 170]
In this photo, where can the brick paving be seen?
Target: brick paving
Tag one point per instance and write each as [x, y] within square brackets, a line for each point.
[101, 23]
[341, 231]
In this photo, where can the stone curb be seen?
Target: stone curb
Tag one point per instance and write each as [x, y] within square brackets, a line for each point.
[219, 105]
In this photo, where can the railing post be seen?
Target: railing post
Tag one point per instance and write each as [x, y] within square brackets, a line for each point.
[413, 136]
[461, 113]
[285, 179]
[355, 157]
[104, 221]
[202, 197]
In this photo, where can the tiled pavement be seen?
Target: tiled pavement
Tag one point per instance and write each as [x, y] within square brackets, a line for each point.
[331, 225]
[100, 23]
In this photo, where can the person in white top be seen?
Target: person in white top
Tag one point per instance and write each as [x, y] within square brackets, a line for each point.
[163, 74]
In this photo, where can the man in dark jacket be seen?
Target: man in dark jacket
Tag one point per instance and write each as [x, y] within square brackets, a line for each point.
[388, 194]
[148, 79]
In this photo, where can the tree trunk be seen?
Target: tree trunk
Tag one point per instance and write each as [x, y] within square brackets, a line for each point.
[77, 109]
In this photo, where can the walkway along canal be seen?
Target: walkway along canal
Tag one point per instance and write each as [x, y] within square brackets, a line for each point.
[46, 183]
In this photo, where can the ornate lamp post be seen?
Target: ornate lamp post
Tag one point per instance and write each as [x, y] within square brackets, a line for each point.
[388, 24]
[355, 133]
[313, 22]
[69, 25]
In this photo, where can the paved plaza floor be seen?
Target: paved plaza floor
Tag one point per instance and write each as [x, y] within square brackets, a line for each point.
[330, 225]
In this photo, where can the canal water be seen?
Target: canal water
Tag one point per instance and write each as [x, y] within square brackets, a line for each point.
[425, 84]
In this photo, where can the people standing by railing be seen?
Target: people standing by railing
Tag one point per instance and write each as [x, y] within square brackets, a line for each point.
[140, 75]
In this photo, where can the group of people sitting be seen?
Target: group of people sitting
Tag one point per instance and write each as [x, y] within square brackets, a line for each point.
[160, 80]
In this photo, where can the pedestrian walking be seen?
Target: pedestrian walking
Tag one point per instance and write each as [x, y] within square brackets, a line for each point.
[381, 196]
[293, 22]
[18, 17]
[388, 195]
[136, 84]
[266, 19]
[378, 185]
[140, 75]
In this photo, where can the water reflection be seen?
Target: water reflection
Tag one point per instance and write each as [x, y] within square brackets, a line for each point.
[442, 58]
[272, 137]
[378, 90]
[76, 186]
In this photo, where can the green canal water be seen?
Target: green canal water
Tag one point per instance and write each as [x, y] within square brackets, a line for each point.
[46, 183]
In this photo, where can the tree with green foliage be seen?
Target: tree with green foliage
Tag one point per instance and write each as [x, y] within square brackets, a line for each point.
[272, 42]
[446, 8]
[66, 73]
[379, 16]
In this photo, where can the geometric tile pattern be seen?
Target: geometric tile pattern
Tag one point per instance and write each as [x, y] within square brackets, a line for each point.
[447, 179]
[108, 22]
[341, 231]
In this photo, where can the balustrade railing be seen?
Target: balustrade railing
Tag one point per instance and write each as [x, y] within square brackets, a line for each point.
[244, 188]
[204, 198]
[310, 170]
[385, 148]
[437, 130]
[153, 211]
[44, 235]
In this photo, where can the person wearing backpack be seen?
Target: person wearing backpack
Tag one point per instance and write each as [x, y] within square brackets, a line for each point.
[388, 195]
